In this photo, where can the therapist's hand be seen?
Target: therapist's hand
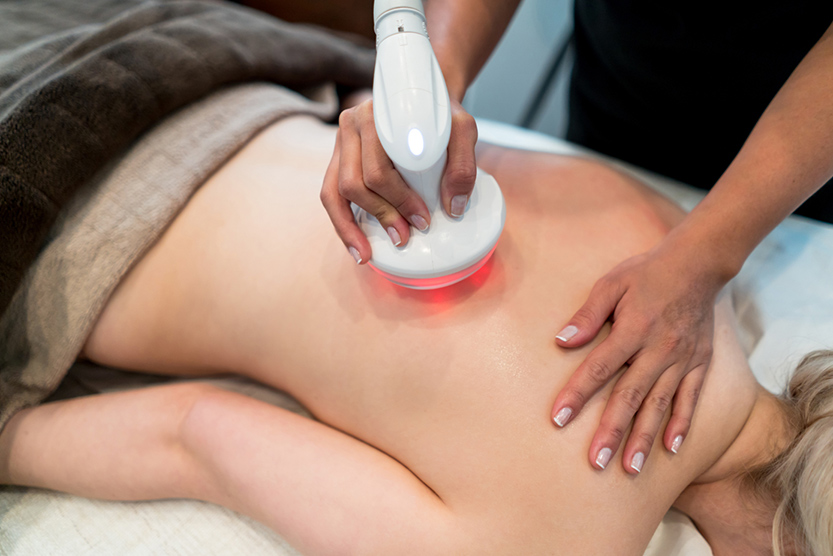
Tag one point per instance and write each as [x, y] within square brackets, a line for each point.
[661, 304]
[361, 172]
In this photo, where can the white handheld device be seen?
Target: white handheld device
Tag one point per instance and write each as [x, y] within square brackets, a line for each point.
[413, 120]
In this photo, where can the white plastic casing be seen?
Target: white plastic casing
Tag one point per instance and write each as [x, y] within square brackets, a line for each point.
[413, 120]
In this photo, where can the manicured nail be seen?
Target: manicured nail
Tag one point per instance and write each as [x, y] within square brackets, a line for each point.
[458, 205]
[603, 457]
[394, 236]
[678, 441]
[419, 222]
[355, 253]
[563, 416]
[567, 333]
[637, 461]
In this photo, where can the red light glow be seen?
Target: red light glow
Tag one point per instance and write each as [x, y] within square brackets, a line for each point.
[438, 281]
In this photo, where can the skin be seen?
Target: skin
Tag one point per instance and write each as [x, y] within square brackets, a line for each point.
[366, 176]
[432, 435]
[732, 519]
[660, 302]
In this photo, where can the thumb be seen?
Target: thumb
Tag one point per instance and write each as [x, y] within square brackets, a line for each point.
[461, 170]
[589, 319]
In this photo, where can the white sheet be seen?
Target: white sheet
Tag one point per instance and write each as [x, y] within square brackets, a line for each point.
[783, 297]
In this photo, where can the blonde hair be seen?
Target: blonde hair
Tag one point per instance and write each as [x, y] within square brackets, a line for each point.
[800, 479]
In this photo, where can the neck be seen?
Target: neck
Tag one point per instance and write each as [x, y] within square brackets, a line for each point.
[732, 518]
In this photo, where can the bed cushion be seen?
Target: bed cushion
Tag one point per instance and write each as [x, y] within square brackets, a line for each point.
[784, 302]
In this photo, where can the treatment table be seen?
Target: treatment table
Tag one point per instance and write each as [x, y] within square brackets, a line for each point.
[783, 298]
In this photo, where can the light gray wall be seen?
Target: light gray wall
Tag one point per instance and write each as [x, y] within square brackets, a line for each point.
[504, 88]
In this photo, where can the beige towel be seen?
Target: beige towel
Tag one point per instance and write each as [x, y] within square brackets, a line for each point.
[113, 220]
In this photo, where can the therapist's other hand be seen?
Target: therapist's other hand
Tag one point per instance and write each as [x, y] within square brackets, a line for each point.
[361, 172]
[661, 304]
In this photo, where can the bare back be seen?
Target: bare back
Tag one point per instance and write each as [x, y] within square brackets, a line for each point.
[455, 384]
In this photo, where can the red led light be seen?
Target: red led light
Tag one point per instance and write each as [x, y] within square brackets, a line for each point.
[438, 281]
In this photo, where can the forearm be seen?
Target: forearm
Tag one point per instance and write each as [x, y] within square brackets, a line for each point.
[319, 487]
[120, 446]
[463, 34]
[787, 157]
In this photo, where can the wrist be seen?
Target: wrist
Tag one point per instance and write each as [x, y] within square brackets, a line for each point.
[456, 92]
[456, 80]
[712, 258]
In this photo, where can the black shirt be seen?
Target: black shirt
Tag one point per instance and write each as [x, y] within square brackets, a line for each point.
[676, 87]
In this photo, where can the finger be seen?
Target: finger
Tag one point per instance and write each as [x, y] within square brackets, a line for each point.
[594, 372]
[380, 177]
[589, 319]
[649, 419]
[685, 400]
[461, 170]
[624, 402]
[340, 213]
[351, 184]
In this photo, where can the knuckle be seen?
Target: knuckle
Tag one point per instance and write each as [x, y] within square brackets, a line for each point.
[645, 438]
[602, 285]
[460, 117]
[686, 330]
[635, 328]
[660, 402]
[598, 370]
[324, 195]
[630, 397]
[462, 175]
[345, 117]
[584, 317]
[366, 126]
[349, 187]
[385, 214]
[616, 433]
[684, 423]
[693, 395]
[375, 179]
[407, 204]
[381, 215]
[365, 107]
[577, 398]
[671, 343]
[644, 323]
[608, 279]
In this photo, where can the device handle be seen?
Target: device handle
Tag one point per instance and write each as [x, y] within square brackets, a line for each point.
[411, 107]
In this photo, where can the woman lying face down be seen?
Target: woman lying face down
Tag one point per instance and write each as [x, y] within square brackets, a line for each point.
[433, 431]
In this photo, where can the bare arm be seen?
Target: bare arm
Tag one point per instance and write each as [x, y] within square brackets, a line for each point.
[787, 157]
[464, 33]
[324, 491]
[662, 302]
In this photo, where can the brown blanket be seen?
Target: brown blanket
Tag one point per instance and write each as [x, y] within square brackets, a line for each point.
[71, 101]
[81, 79]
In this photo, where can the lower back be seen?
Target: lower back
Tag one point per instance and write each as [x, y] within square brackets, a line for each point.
[456, 384]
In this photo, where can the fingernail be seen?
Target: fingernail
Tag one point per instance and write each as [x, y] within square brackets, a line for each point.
[678, 441]
[394, 236]
[603, 457]
[567, 333]
[419, 222]
[458, 205]
[637, 461]
[563, 416]
[355, 253]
